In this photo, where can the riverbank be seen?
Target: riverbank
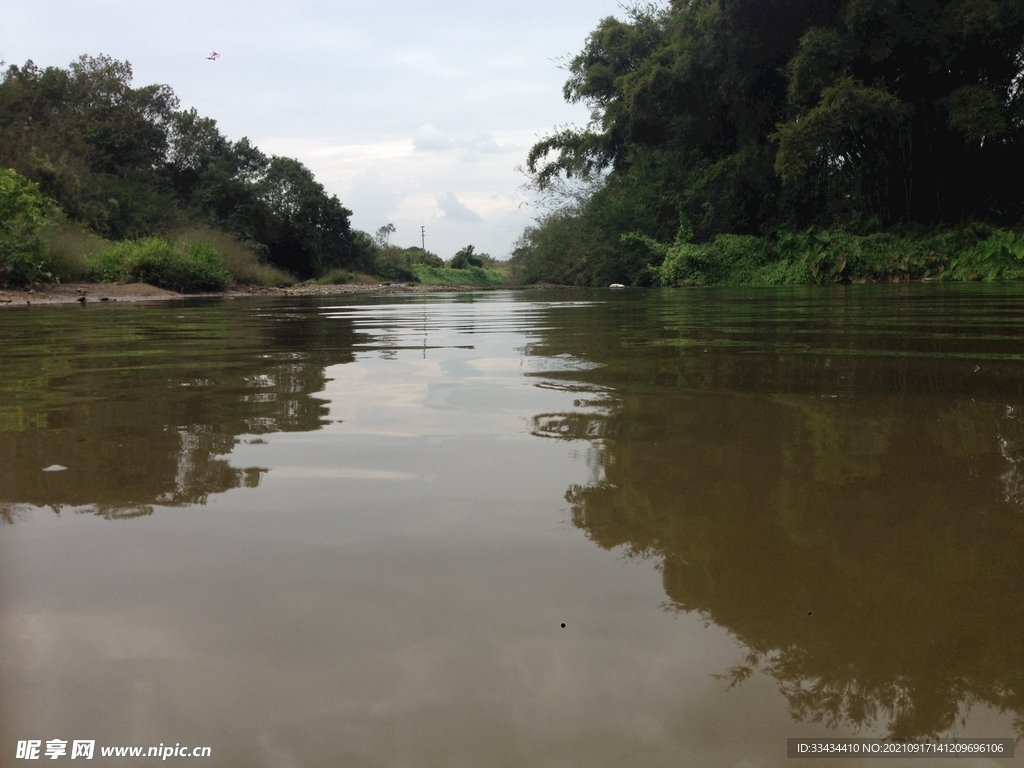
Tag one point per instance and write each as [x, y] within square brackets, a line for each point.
[88, 293]
[966, 253]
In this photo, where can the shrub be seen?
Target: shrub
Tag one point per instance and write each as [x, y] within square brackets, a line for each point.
[465, 258]
[975, 252]
[419, 256]
[727, 258]
[177, 266]
[838, 256]
[67, 246]
[395, 271]
[23, 211]
[1000, 256]
[393, 264]
[449, 276]
[344, 277]
[246, 262]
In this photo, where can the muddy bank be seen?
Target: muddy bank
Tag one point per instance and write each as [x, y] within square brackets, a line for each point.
[86, 293]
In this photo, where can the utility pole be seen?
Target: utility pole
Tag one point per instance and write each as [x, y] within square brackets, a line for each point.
[423, 238]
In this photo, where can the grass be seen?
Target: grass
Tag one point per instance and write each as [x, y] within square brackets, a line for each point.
[974, 252]
[66, 248]
[345, 277]
[191, 260]
[240, 259]
[448, 276]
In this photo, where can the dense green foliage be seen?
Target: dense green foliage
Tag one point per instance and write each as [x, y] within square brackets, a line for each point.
[482, 276]
[837, 256]
[128, 163]
[41, 244]
[467, 257]
[238, 258]
[398, 265]
[757, 117]
[23, 210]
[341, 277]
[177, 266]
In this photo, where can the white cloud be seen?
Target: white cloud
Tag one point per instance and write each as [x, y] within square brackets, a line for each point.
[457, 211]
[428, 139]
[482, 142]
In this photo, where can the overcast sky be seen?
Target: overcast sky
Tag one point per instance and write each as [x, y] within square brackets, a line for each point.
[412, 113]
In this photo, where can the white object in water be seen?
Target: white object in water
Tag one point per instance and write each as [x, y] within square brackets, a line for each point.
[616, 285]
[54, 468]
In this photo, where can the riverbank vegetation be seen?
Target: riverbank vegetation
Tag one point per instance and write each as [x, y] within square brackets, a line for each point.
[468, 276]
[772, 142]
[100, 180]
[127, 164]
[466, 267]
[416, 265]
[197, 258]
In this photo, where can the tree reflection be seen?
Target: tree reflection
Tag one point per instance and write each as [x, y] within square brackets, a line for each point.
[862, 541]
[141, 405]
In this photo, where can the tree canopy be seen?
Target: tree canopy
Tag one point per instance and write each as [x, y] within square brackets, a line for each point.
[129, 162]
[752, 116]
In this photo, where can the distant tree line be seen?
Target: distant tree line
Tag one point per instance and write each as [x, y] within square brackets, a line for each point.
[755, 117]
[128, 162]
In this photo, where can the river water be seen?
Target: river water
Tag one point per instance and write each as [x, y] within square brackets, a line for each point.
[560, 528]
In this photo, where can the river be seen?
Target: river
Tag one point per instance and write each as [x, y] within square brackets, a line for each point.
[537, 528]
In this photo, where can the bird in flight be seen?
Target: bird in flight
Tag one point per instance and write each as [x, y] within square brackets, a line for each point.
[213, 56]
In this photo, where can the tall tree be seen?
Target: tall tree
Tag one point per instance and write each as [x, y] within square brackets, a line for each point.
[127, 162]
[752, 115]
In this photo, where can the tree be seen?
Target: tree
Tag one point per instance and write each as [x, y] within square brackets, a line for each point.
[466, 258]
[383, 236]
[23, 209]
[307, 232]
[751, 116]
[128, 163]
[90, 140]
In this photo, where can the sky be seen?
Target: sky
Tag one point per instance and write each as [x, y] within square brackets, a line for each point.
[415, 114]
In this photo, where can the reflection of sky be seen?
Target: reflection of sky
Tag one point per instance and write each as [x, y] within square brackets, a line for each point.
[390, 595]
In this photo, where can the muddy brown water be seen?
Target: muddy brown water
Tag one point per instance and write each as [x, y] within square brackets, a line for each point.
[348, 531]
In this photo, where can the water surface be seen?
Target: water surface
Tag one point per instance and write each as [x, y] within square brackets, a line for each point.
[348, 531]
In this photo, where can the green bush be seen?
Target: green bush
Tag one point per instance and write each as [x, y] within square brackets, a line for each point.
[23, 211]
[70, 252]
[246, 262]
[395, 272]
[838, 256]
[344, 277]
[1000, 256]
[449, 276]
[398, 265]
[176, 266]
[66, 248]
[975, 252]
[727, 258]
[395, 265]
[419, 256]
[466, 258]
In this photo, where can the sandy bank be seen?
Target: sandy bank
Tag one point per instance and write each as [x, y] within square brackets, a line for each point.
[70, 293]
